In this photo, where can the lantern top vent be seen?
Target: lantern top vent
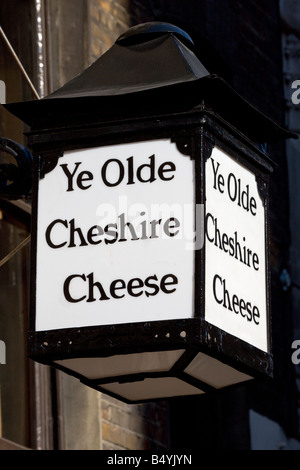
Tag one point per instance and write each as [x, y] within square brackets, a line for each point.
[151, 69]
[147, 31]
[144, 58]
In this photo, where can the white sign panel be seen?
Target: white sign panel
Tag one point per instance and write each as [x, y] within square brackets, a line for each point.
[235, 264]
[115, 237]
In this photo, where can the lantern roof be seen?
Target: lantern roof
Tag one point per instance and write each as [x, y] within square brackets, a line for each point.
[151, 69]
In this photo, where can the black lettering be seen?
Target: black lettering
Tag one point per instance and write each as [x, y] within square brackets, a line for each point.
[253, 206]
[114, 286]
[218, 242]
[226, 296]
[93, 232]
[256, 315]
[153, 224]
[221, 183]
[215, 171]
[130, 171]
[84, 176]
[240, 306]
[238, 251]
[151, 285]
[78, 231]
[104, 170]
[70, 175]
[135, 284]
[66, 288]
[245, 198]
[144, 229]
[151, 166]
[235, 303]
[100, 288]
[225, 242]
[111, 233]
[165, 168]
[239, 192]
[206, 226]
[167, 226]
[255, 261]
[217, 278]
[164, 283]
[231, 246]
[232, 189]
[135, 287]
[123, 224]
[249, 311]
[49, 230]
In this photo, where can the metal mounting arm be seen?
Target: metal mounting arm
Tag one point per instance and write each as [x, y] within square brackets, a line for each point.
[15, 179]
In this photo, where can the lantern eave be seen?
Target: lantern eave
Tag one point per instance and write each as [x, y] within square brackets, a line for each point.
[151, 69]
[210, 91]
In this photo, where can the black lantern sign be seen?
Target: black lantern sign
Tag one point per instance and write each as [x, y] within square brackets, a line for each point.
[150, 274]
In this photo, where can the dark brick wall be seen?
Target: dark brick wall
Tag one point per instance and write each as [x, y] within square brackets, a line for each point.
[125, 427]
[134, 427]
[108, 20]
[240, 40]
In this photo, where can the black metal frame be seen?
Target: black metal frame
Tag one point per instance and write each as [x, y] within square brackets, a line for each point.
[195, 133]
[15, 179]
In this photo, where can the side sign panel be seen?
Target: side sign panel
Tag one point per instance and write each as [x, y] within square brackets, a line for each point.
[235, 267]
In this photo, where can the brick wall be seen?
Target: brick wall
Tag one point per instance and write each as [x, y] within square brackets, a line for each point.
[108, 19]
[133, 427]
[290, 14]
[127, 427]
[239, 40]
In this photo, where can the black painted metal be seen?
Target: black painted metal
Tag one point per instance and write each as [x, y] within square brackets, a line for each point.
[15, 179]
[151, 68]
[118, 101]
[147, 31]
[196, 135]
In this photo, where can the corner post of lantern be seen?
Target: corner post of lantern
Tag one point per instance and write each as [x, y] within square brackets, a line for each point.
[127, 301]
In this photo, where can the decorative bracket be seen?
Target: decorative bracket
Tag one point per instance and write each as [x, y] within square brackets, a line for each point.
[15, 179]
[49, 161]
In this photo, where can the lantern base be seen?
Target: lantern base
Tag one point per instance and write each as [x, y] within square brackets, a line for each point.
[142, 362]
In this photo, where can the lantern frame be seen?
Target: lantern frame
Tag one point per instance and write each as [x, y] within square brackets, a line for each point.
[122, 98]
[195, 133]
